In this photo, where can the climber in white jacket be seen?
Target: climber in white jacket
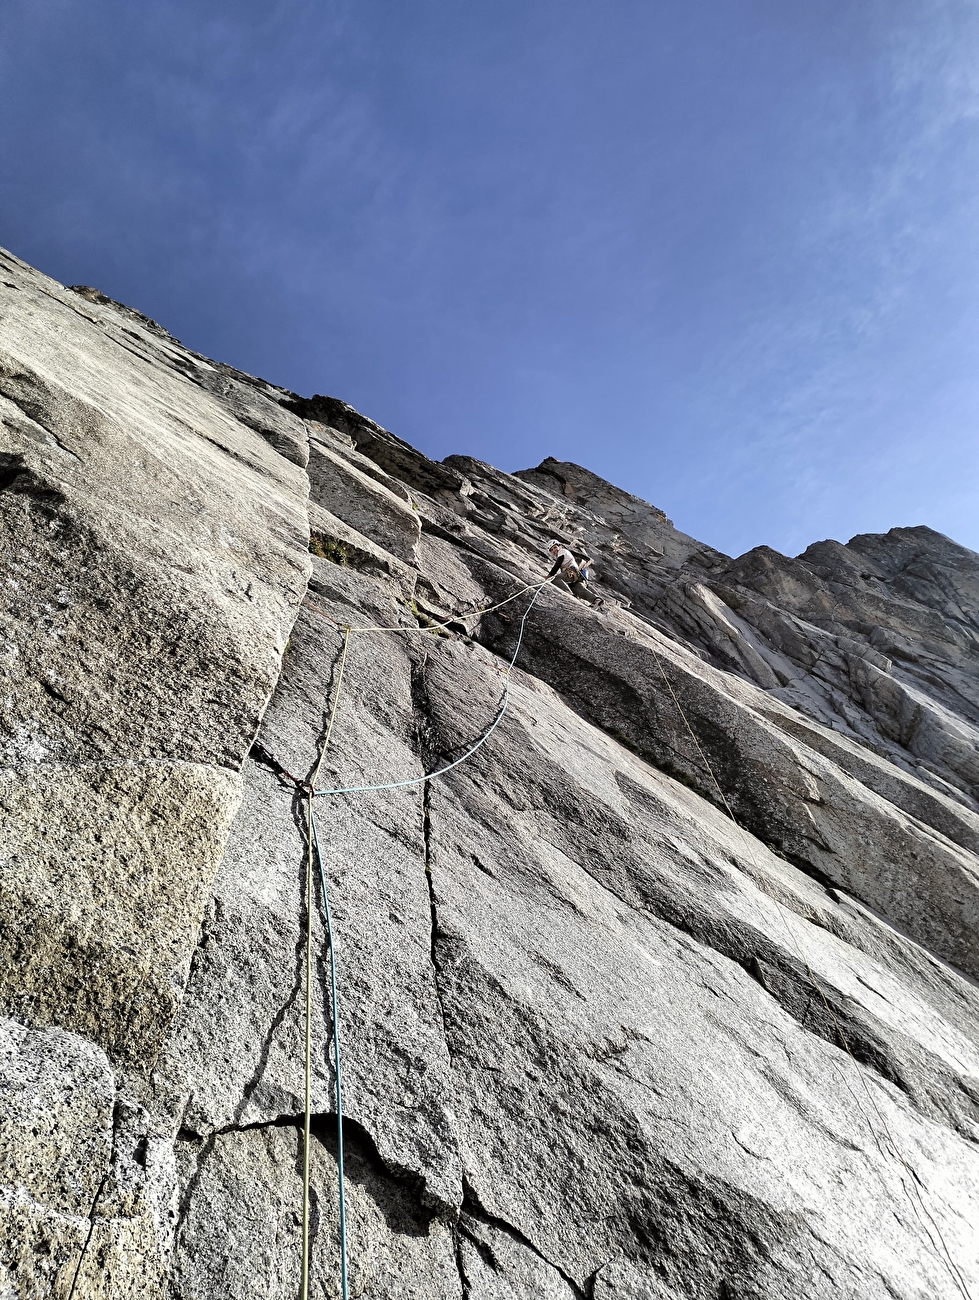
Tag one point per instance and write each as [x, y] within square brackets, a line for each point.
[567, 575]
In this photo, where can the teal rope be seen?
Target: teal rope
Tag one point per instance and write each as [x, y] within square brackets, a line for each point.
[420, 780]
[395, 785]
[337, 1061]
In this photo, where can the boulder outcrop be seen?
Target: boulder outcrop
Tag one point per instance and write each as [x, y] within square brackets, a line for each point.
[668, 992]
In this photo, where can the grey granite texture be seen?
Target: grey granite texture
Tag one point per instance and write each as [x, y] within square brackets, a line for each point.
[667, 993]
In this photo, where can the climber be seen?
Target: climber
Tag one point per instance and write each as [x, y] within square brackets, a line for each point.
[567, 574]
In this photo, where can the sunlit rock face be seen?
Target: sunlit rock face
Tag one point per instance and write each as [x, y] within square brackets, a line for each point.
[667, 991]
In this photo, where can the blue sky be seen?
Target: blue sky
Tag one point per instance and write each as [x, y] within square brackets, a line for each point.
[723, 252]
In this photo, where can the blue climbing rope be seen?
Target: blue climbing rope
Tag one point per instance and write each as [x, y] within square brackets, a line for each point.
[331, 940]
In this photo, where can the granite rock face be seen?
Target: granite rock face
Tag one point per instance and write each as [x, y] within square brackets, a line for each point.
[668, 991]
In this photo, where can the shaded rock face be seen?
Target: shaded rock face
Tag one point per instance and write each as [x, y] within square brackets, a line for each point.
[668, 991]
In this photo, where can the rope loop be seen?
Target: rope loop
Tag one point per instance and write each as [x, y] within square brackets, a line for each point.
[309, 792]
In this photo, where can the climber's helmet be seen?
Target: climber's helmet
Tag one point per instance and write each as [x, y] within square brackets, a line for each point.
[553, 546]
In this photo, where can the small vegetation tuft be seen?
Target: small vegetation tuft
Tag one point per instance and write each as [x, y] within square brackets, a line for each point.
[425, 621]
[329, 548]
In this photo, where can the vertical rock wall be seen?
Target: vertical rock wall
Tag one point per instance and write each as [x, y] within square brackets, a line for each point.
[602, 1040]
[154, 557]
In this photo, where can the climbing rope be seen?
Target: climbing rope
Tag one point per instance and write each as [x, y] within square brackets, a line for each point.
[943, 1254]
[432, 627]
[331, 941]
[312, 845]
[504, 704]
[310, 792]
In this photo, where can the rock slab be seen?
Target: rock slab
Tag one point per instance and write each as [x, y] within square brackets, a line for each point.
[667, 992]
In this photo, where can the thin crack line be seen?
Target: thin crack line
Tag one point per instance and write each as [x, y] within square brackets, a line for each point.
[95, 1201]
